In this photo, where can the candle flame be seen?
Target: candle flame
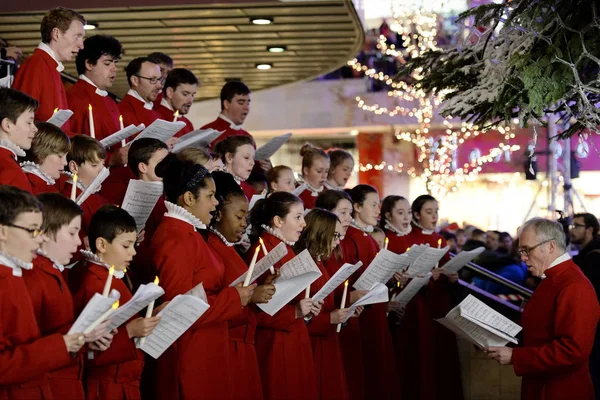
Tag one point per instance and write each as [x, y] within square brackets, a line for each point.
[257, 249]
[156, 280]
[111, 271]
[387, 240]
[407, 249]
[121, 118]
[439, 242]
[176, 114]
[55, 110]
[75, 179]
[124, 269]
[261, 241]
[90, 107]
[346, 283]
[398, 284]
[115, 305]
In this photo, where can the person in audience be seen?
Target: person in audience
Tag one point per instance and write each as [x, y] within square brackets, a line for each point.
[315, 168]
[450, 239]
[46, 159]
[144, 78]
[11, 53]
[461, 239]
[492, 240]
[340, 169]
[114, 373]
[17, 130]
[321, 237]
[179, 91]
[506, 243]
[379, 235]
[281, 179]
[237, 154]
[283, 344]
[39, 76]
[26, 356]
[559, 321]
[184, 260]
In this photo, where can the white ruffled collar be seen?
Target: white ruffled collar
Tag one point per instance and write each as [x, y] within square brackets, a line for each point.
[180, 213]
[232, 125]
[366, 230]
[423, 230]
[80, 185]
[331, 186]
[148, 105]
[277, 235]
[55, 263]
[12, 262]
[220, 236]
[397, 231]
[99, 92]
[94, 259]
[314, 192]
[238, 179]
[16, 150]
[33, 168]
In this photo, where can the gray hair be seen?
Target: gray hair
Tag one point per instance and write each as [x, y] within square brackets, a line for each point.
[546, 229]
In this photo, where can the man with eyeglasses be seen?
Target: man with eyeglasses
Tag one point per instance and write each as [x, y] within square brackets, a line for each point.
[559, 321]
[145, 82]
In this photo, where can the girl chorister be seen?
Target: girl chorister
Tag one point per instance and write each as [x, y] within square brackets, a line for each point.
[315, 167]
[237, 154]
[283, 344]
[340, 170]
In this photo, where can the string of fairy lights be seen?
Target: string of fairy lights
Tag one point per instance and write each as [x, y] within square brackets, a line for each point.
[436, 156]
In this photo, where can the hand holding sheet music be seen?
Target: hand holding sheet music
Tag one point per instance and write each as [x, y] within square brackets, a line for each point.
[426, 261]
[336, 280]
[140, 300]
[267, 150]
[122, 134]
[264, 264]
[381, 269]
[140, 199]
[93, 310]
[59, 118]
[462, 259]
[161, 130]
[377, 294]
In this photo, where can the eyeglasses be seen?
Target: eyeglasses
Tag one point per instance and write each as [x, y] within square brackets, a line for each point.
[575, 226]
[33, 232]
[153, 80]
[525, 251]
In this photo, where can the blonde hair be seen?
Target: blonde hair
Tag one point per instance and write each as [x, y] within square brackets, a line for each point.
[195, 155]
[48, 140]
[309, 153]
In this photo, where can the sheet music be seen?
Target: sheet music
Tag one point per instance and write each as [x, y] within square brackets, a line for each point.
[415, 251]
[198, 138]
[140, 300]
[140, 199]
[336, 280]
[161, 130]
[381, 269]
[267, 150]
[426, 261]
[93, 310]
[483, 313]
[94, 186]
[59, 118]
[254, 199]
[377, 294]
[264, 264]
[295, 276]
[198, 291]
[122, 134]
[461, 259]
[177, 317]
[413, 287]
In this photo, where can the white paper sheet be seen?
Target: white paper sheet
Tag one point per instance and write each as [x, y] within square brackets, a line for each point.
[295, 276]
[377, 294]
[336, 280]
[140, 300]
[94, 186]
[264, 264]
[161, 130]
[426, 261]
[415, 251]
[140, 199]
[267, 150]
[59, 118]
[123, 134]
[177, 317]
[381, 269]
[197, 138]
[413, 287]
[93, 310]
[461, 259]
[254, 199]
[482, 335]
[198, 291]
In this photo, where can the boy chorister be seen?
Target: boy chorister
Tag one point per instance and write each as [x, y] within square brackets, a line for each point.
[25, 355]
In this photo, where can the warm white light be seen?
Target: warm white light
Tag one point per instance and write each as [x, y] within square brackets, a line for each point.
[276, 49]
[90, 26]
[263, 67]
[261, 21]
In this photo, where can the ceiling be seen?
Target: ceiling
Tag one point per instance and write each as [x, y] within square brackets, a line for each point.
[219, 41]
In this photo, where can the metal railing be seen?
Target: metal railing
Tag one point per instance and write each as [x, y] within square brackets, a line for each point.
[500, 280]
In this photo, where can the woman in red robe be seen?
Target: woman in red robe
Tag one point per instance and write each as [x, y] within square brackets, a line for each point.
[228, 228]
[283, 345]
[197, 365]
[237, 154]
[315, 167]
[321, 237]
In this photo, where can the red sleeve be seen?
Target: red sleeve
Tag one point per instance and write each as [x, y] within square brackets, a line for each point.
[241, 319]
[573, 333]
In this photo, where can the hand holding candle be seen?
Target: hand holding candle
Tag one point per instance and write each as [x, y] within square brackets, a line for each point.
[74, 188]
[106, 290]
[251, 267]
[344, 294]
[102, 318]
[265, 252]
[91, 121]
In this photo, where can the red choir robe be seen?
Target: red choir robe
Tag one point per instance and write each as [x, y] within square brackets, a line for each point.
[308, 195]
[228, 129]
[559, 323]
[39, 185]
[53, 309]
[89, 206]
[115, 373]
[242, 354]
[381, 378]
[349, 336]
[248, 190]
[283, 345]
[197, 364]
[25, 355]
[426, 352]
[10, 171]
[133, 112]
[327, 355]
[167, 114]
[39, 78]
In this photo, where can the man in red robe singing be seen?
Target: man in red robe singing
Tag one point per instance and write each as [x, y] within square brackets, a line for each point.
[39, 76]
[179, 91]
[145, 81]
[559, 321]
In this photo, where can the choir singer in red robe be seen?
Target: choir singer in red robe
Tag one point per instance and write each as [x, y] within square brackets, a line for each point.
[180, 89]
[559, 321]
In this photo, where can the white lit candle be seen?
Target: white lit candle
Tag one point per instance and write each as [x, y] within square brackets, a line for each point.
[439, 247]
[175, 116]
[123, 143]
[149, 311]
[344, 294]
[102, 318]
[74, 188]
[307, 292]
[387, 241]
[265, 252]
[106, 290]
[251, 267]
[91, 121]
